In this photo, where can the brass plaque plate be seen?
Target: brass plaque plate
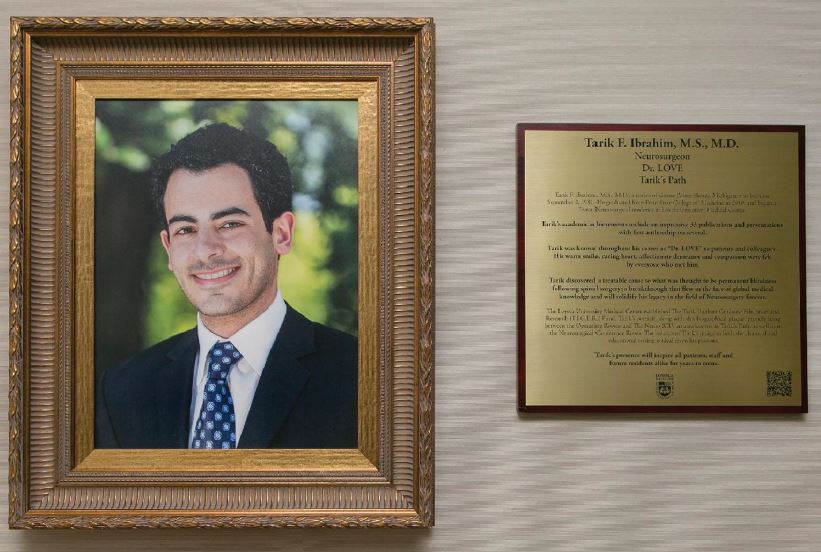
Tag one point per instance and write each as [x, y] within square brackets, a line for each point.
[661, 268]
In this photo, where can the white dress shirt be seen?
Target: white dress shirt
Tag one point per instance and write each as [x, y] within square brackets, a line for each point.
[254, 341]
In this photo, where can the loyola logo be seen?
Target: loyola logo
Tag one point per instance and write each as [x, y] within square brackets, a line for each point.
[664, 385]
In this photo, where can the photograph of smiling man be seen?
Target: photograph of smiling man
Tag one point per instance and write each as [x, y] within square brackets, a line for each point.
[253, 372]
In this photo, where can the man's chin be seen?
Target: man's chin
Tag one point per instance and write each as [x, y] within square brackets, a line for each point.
[217, 311]
[215, 305]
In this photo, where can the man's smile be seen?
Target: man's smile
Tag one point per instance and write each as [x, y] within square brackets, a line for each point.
[215, 276]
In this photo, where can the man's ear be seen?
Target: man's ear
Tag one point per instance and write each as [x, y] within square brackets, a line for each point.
[282, 232]
[166, 243]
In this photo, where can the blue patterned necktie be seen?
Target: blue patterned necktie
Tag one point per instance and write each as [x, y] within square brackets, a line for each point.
[217, 426]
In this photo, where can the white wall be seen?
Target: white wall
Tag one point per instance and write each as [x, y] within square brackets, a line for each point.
[575, 483]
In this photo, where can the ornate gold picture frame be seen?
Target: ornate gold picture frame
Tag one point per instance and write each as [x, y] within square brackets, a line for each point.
[60, 69]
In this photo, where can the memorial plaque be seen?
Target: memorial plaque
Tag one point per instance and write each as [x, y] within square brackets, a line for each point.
[661, 268]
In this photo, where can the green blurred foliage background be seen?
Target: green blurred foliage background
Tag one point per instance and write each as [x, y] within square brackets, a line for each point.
[137, 299]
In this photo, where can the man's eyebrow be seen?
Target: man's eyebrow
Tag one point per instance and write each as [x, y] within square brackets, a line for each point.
[215, 216]
[182, 218]
[228, 212]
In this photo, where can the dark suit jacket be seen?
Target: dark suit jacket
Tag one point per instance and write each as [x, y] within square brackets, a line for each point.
[306, 397]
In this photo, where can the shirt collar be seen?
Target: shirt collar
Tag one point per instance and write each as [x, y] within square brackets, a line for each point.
[254, 340]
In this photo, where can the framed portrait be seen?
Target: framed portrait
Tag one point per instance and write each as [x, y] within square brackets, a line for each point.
[221, 280]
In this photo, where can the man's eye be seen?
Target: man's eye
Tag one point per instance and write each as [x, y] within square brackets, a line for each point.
[231, 224]
[182, 230]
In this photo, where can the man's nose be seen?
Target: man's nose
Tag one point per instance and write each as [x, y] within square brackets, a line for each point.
[209, 245]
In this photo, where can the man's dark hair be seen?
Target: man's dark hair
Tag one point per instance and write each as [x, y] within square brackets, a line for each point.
[217, 144]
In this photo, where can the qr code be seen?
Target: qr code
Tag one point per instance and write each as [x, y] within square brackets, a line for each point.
[779, 384]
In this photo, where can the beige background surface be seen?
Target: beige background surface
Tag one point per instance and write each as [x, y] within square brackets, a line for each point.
[575, 483]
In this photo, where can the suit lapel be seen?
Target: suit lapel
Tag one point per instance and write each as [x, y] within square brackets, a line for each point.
[281, 382]
[174, 381]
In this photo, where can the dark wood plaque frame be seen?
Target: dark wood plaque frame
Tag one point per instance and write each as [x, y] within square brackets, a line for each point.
[521, 128]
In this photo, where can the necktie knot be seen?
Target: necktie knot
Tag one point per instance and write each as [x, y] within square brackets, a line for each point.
[222, 356]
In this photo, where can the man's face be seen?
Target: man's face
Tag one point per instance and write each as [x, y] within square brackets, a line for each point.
[218, 247]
